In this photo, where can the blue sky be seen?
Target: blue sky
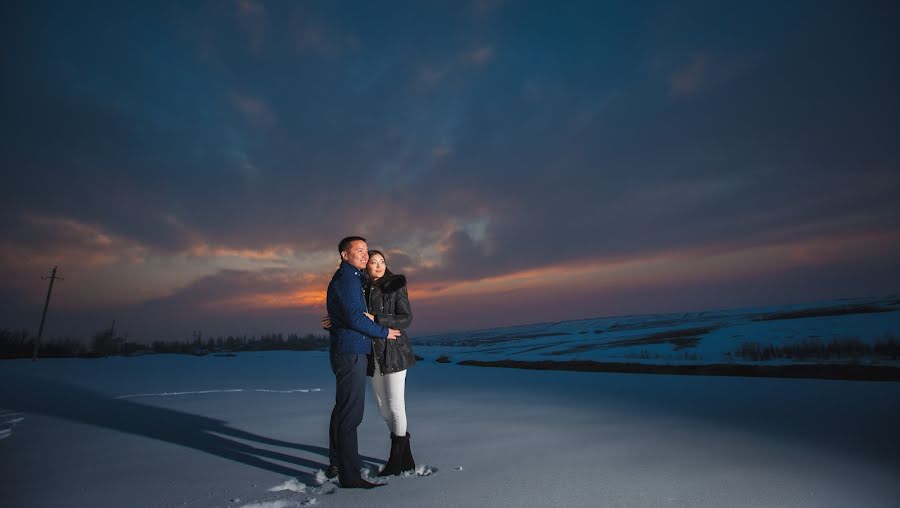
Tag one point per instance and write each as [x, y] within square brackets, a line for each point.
[192, 165]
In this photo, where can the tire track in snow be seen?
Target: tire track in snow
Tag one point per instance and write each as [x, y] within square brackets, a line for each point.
[231, 390]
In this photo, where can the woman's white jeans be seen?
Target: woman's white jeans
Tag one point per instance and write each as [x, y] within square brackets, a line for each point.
[390, 393]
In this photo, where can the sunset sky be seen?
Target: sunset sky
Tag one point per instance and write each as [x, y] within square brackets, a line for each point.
[192, 165]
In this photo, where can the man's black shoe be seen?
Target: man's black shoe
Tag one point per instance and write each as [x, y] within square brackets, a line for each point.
[331, 473]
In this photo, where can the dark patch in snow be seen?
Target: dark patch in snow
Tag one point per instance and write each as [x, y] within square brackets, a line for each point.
[822, 312]
[679, 339]
[490, 338]
[811, 371]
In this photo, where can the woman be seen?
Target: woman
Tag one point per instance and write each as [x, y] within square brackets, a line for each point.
[388, 303]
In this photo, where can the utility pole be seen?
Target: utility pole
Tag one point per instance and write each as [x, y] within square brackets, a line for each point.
[37, 342]
[113, 347]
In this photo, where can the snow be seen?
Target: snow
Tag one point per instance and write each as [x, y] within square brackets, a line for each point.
[251, 430]
[230, 390]
[292, 485]
[481, 436]
[705, 337]
[280, 504]
[8, 420]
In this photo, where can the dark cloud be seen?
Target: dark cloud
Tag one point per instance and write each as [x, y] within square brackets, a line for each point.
[468, 141]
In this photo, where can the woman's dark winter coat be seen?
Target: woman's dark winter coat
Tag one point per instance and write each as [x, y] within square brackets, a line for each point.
[388, 301]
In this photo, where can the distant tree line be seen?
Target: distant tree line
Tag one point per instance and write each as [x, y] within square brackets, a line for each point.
[20, 344]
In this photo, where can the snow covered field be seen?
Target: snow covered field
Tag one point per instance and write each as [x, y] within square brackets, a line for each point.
[169, 430]
[710, 337]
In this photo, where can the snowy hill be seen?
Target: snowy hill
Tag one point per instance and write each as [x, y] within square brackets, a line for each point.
[858, 332]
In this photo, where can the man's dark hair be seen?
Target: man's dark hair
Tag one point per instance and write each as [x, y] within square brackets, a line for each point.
[345, 243]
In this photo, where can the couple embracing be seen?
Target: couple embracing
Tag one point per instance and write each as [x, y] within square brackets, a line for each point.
[368, 313]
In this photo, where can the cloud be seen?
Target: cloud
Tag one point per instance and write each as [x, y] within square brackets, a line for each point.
[469, 151]
[94, 262]
[234, 302]
[308, 33]
[441, 151]
[104, 269]
[231, 289]
[254, 109]
[686, 280]
[205, 250]
[429, 77]
[694, 72]
[324, 41]
[71, 239]
[480, 56]
[484, 8]
[238, 291]
[453, 71]
[691, 77]
[253, 22]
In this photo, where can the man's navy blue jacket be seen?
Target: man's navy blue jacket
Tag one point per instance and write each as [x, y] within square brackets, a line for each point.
[350, 329]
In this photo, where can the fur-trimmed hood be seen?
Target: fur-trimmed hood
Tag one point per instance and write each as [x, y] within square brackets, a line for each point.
[391, 283]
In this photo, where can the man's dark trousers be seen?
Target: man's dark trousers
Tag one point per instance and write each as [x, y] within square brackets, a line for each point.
[349, 404]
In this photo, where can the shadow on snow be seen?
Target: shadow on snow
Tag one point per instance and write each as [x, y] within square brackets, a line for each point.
[192, 431]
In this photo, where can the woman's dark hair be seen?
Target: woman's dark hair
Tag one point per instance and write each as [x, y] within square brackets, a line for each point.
[387, 272]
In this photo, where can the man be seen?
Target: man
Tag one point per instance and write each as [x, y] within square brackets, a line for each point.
[350, 334]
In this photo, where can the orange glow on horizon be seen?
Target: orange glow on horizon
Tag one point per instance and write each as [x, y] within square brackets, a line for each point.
[269, 254]
[90, 285]
[304, 298]
[664, 268]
